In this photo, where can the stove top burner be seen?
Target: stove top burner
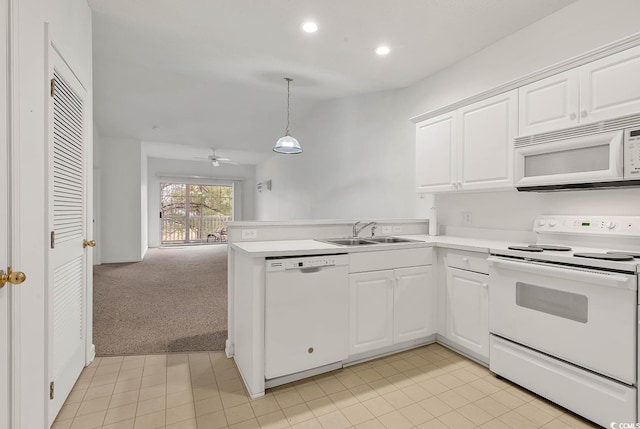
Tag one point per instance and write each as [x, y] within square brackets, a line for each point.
[525, 248]
[635, 255]
[606, 256]
[551, 247]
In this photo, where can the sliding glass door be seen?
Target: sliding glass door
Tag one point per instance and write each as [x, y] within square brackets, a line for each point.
[195, 213]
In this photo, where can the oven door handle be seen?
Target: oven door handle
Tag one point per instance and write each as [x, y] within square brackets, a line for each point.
[578, 274]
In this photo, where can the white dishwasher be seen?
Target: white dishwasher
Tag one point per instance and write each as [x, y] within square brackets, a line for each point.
[306, 313]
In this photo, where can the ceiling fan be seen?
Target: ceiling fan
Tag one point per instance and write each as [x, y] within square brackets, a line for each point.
[216, 160]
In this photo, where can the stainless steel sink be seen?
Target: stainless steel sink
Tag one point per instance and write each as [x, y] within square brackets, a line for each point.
[366, 241]
[349, 241]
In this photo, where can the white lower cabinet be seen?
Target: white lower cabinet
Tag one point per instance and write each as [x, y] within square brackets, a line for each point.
[467, 311]
[389, 307]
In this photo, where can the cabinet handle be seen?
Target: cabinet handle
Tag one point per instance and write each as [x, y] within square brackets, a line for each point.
[583, 114]
[573, 116]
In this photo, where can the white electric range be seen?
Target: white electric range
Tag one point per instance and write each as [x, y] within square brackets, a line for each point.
[563, 314]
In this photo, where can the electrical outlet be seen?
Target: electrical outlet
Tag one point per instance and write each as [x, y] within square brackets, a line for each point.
[387, 229]
[248, 234]
[397, 229]
[466, 218]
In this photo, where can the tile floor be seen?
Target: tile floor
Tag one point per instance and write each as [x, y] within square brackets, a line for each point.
[428, 387]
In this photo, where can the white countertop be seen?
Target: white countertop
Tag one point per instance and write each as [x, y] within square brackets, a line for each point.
[261, 249]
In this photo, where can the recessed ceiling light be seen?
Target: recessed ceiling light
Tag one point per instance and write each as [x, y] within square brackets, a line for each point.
[310, 27]
[382, 50]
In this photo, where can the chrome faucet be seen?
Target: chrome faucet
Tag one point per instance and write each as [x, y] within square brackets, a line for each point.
[356, 229]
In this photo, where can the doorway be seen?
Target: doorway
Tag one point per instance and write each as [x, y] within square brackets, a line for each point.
[194, 213]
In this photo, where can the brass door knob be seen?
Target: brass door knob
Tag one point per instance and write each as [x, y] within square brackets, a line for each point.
[15, 278]
[86, 243]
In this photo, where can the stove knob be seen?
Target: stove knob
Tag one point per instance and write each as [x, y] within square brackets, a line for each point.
[611, 225]
[542, 222]
[552, 223]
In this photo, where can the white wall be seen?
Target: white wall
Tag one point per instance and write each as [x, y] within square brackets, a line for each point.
[359, 151]
[198, 172]
[120, 163]
[357, 163]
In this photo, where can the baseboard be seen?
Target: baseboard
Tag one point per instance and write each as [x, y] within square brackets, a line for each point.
[443, 341]
[228, 348]
[120, 261]
[92, 354]
[387, 351]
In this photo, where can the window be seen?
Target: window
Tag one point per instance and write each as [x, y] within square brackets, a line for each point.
[195, 213]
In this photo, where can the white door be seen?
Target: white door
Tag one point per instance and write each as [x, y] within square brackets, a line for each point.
[549, 104]
[485, 151]
[435, 153]
[413, 304]
[467, 320]
[68, 229]
[5, 345]
[371, 311]
[610, 87]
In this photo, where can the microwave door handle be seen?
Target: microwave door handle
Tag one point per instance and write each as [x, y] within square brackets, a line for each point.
[616, 154]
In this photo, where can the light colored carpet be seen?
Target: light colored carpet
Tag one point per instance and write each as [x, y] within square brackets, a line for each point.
[175, 300]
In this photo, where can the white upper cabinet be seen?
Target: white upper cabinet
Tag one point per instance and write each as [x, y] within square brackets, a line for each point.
[435, 153]
[470, 148]
[550, 104]
[610, 87]
[485, 154]
[603, 89]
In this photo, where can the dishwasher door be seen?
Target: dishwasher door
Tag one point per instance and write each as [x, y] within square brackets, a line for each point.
[306, 313]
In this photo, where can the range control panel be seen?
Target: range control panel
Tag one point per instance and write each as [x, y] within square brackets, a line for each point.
[623, 226]
[281, 264]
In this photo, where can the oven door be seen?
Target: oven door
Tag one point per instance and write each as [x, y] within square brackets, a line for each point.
[583, 316]
[588, 159]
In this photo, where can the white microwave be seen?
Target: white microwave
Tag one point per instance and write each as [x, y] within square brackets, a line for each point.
[579, 158]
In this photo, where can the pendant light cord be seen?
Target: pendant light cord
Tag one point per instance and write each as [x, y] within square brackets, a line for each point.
[288, 79]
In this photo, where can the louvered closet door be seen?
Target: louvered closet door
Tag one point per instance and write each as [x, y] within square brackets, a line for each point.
[67, 214]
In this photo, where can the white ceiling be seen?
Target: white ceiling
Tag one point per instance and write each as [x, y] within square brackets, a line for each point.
[210, 72]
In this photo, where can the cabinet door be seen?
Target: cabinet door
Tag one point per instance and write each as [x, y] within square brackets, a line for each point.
[435, 156]
[414, 298]
[486, 142]
[467, 318]
[549, 104]
[610, 87]
[370, 311]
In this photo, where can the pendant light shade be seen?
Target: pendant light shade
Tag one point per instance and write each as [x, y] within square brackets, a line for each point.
[287, 144]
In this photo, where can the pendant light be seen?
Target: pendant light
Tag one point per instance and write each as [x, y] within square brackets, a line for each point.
[287, 144]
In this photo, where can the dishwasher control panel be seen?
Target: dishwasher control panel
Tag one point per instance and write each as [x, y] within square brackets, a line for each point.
[295, 263]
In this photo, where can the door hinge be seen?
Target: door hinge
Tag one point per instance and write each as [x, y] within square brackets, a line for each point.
[51, 390]
[53, 239]
[53, 87]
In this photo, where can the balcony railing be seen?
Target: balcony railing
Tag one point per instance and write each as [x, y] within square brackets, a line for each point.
[201, 229]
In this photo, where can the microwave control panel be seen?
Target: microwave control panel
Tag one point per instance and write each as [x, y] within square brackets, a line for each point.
[632, 153]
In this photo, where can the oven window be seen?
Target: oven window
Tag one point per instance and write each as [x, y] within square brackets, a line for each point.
[556, 302]
[592, 158]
